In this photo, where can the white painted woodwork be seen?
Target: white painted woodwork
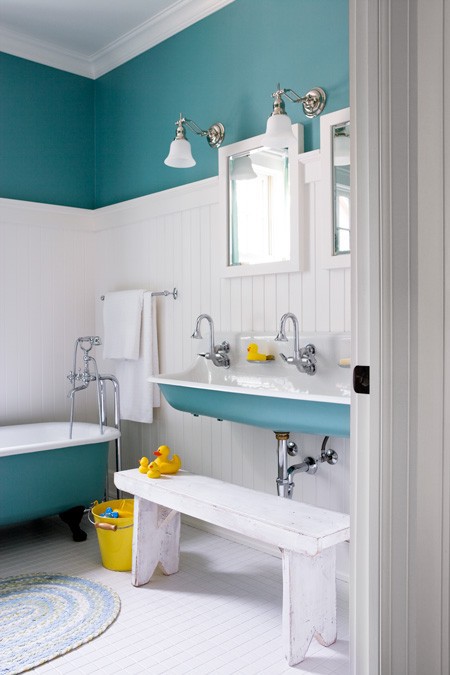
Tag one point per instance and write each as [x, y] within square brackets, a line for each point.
[309, 583]
[400, 61]
[157, 532]
[282, 522]
[326, 221]
[297, 220]
[46, 302]
[306, 535]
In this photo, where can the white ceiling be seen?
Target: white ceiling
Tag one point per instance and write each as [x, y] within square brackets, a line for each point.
[90, 37]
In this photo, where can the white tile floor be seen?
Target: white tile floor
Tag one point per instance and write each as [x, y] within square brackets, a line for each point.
[220, 614]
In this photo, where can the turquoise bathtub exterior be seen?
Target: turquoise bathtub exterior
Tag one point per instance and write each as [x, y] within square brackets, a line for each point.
[46, 482]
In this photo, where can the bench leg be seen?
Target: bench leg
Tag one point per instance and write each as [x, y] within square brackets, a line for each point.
[309, 601]
[156, 540]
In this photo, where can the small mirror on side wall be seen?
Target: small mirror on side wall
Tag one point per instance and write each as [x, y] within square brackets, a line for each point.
[259, 199]
[335, 220]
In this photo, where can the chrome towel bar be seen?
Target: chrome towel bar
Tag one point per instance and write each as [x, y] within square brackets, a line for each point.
[165, 293]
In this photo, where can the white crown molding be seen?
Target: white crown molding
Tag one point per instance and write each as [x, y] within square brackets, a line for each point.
[162, 26]
[42, 52]
[174, 19]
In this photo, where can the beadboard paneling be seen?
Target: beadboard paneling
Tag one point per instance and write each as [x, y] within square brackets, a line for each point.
[46, 302]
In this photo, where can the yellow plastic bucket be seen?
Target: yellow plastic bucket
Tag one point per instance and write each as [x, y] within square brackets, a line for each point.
[115, 535]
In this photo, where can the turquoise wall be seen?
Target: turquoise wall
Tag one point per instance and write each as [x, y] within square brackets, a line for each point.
[46, 134]
[69, 140]
[224, 68]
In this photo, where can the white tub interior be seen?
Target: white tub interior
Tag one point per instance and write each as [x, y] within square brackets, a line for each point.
[23, 438]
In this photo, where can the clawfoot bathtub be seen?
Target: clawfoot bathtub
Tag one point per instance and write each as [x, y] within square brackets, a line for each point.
[43, 472]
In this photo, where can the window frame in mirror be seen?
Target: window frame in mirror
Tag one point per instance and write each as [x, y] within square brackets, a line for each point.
[328, 122]
[297, 247]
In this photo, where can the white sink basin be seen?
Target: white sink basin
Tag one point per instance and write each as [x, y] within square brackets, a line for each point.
[269, 394]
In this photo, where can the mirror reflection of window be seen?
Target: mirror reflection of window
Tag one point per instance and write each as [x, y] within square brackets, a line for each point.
[341, 188]
[259, 207]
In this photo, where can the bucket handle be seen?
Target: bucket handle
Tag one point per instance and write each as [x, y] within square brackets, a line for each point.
[106, 526]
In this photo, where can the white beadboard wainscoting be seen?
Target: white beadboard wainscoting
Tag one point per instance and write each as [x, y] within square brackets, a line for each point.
[46, 302]
[172, 239]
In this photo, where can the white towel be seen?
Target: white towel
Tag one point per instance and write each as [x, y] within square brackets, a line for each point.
[138, 397]
[122, 314]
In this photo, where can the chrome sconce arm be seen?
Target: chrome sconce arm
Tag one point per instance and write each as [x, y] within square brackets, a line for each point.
[180, 154]
[215, 134]
[313, 101]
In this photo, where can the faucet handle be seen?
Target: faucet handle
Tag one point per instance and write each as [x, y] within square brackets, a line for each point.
[224, 347]
[287, 359]
[223, 360]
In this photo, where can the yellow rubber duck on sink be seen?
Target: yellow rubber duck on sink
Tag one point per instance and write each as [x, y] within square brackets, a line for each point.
[163, 463]
[254, 355]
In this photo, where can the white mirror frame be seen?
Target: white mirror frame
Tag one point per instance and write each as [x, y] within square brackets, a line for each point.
[297, 241]
[326, 224]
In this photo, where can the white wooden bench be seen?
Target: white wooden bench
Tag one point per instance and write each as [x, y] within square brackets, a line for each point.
[306, 535]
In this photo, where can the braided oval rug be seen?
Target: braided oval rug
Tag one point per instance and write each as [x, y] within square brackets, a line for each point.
[43, 616]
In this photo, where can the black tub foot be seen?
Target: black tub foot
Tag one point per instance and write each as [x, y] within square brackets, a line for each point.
[72, 517]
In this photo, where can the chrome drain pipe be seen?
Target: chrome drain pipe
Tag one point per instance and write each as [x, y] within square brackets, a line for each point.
[284, 486]
[285, 480]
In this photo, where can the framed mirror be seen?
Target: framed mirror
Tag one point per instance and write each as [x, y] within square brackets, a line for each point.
[259, 205]
[335, 221]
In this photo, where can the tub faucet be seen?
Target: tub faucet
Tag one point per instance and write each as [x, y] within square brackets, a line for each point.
[218, 354]
[304, 357]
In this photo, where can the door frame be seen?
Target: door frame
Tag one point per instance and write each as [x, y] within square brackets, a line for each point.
[399, 75]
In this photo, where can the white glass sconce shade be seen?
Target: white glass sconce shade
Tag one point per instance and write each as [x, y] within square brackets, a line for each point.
[278, 131]
[180, 154]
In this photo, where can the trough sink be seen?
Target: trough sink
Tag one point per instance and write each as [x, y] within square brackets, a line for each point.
[269, 394]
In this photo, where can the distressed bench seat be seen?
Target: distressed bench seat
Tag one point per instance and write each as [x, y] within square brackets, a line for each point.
[306, 535]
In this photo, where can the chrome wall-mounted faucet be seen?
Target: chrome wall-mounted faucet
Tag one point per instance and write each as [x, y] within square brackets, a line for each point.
[304, 357]
[218, 354]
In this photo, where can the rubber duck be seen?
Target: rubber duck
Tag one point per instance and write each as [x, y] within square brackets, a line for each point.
[153, 471]
[143, 465]
[164, 464]
[254, 355]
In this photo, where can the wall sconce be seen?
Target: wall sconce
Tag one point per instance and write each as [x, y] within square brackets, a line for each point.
[180, 155]
[278, 132]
